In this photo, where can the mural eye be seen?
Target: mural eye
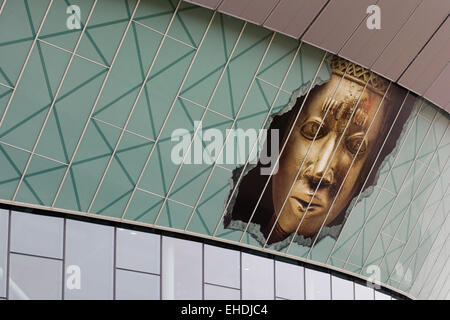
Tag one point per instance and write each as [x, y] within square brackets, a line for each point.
[311, 128]
[353, 143]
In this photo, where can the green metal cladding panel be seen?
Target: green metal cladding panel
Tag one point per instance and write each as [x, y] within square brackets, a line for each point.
[87, 116]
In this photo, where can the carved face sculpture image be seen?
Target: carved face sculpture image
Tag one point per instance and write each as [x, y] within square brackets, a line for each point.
[338, 150]
[336, 139]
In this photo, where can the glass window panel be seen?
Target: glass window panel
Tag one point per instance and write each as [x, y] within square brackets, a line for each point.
[381, 296]
[317, 285]
[181, 269]
[222, 266]
[221, 293]
[136, 286]
[363, 292]
[342, 289]
[37, 234]
[89, 261]
[257, 277]
[138, 250]
[34, 278]
[3, 250]
[289, 281]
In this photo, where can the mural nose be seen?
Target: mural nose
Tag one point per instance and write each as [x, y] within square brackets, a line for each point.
[320, 169]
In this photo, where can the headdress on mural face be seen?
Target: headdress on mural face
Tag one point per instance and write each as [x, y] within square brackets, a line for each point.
[360, 75]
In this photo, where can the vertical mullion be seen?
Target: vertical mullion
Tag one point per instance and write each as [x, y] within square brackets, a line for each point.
[115, 265]
[69, 166]
[8, 267]
[64, 260]
[240, 273]
[274, 280]
[304, 282]
[203, 271]
[160, 266]
[50, 109]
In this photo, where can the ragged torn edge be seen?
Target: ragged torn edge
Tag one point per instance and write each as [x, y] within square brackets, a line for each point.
[253, 228]
[333, 231]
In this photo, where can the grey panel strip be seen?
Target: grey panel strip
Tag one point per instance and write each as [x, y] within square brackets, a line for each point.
[210, 4]
[366, 45]
[255, 11]
[412, 38]
[336, 24]
[429, 63]
[293, 17]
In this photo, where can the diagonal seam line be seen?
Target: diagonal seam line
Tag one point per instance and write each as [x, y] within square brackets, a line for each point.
[19, 78]
[203, 116]
[3, 73]
[401, 189]
[244, 100]
[268, 114]
[408, 130]
[133, 107]
[156, 145]
[53, 101]
[94, 105]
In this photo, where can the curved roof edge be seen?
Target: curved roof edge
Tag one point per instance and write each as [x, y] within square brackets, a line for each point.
[411, 48]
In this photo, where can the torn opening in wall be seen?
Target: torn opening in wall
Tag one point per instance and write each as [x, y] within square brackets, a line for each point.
[332, 146]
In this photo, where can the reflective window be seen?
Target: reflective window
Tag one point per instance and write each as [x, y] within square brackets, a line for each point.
[221, 293]
[3, 250]
[132, 285]
[222, 266]
[381, 296]
[317, 285]
[138, 250]
[181, 269]
[257, 277]
[37, 234]
[341, 289]
[34, 278]
[363, 292]
[289, 281]
[89, 261]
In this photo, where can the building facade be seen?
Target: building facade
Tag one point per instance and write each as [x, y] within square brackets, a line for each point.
[157, 149]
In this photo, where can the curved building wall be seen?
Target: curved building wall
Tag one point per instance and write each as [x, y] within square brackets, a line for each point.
[95, 111]
[50, 257]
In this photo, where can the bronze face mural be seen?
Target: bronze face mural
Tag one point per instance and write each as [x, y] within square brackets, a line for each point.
[332, 143]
